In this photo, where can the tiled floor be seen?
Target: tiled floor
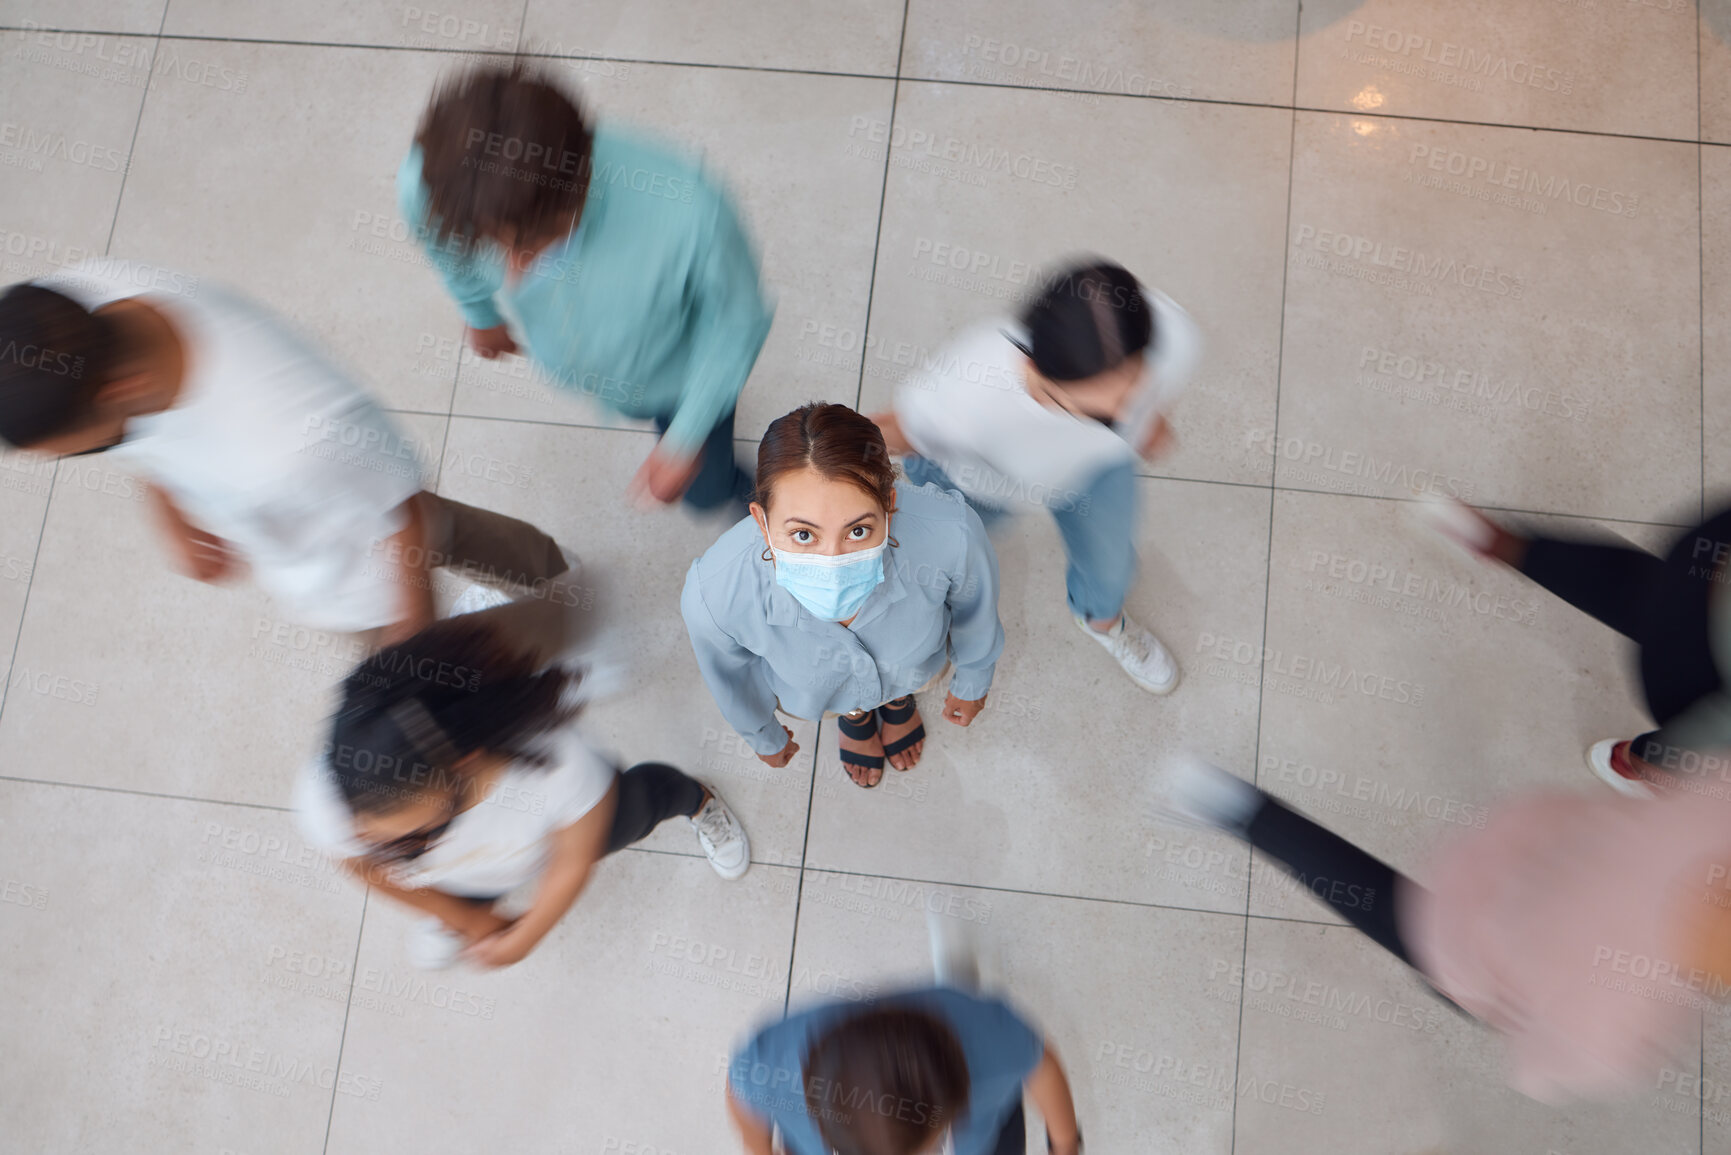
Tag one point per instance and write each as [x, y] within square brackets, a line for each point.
[182, 975]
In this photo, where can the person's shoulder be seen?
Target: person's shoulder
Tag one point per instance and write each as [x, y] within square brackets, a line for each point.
[732, 551]
[977, 1014]
[321, 815]
[978, 359]
[721, 574]
[574, 767]
[624, 158]
[940, 508]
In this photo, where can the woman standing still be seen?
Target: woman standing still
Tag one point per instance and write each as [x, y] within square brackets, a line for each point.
[844, 592]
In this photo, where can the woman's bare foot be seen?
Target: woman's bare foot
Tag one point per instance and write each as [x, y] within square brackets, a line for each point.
[872, 748]
[891, 732]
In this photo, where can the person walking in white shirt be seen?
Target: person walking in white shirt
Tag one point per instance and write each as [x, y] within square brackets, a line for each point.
[456, 781]
[259, 452]
[1055, 409]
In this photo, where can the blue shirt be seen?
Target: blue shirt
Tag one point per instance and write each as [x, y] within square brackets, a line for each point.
[651, 305]
[767, 1077]
[756, 644]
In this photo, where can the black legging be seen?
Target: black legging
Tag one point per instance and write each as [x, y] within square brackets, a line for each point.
[1659, 603]
[649, 794]
[1360, 888]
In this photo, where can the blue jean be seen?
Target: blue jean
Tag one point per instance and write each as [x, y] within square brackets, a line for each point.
[719, 478]
[1098, 526]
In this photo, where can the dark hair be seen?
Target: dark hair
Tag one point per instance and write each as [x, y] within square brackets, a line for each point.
[412, 710]
[1087, 320]
[884, 1082]
[838, 442]
[503, 149]
[54, 358]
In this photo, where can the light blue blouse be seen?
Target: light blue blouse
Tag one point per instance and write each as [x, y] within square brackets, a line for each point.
[756, 645]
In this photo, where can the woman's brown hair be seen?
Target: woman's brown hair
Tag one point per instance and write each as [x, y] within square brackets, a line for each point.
[839, 443]
[503, 150]
[885, 1082]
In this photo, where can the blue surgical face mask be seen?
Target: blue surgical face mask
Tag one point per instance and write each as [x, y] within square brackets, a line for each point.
[832, 588]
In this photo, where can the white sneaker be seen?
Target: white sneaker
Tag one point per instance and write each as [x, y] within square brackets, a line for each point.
[1457, 523]
[722, 838]
[1202, 794]
[955, 962]
[1599, 759]
[476, 598]
[1139, 652]
[433, 946]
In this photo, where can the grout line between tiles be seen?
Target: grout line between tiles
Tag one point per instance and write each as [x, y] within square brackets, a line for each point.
[1701, 268]
[802, 868]
[960, 82]
[24, 607]
[145, 793]
[1268, 559]
[817, 734]
[54, 474]
[348, 1007]
[883, 203]
[1701, 333]
[1277, 487]
[132, 145]
[799, 884]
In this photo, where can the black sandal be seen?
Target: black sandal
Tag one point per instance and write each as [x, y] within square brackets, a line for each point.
[895, 713]
[866, 727]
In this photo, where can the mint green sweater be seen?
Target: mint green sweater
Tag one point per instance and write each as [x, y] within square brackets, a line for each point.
[651, 305]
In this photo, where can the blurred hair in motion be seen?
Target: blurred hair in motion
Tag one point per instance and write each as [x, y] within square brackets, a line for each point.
[907, 1059]
[55, 358]
[457, 687]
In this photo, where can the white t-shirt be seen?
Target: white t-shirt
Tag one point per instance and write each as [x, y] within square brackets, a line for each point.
[271, 447]
[970, 414]
[493, 847]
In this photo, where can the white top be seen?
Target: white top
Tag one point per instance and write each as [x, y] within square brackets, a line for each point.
[493, 847]
[969, 413]
[271, 447]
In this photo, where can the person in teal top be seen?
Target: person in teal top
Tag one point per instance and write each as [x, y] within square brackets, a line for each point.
[622, 267]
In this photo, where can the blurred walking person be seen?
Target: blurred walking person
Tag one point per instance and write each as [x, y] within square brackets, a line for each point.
[456, 778]
[622, 267]
[1532, 923]
[930, 1069]
[261, 453]
[1056, 409]
[1674, 608]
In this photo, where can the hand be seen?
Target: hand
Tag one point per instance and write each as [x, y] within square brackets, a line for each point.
[417, 610]
[787, 752]
[960, 711]
[663, 477]
[489, 343]
[499, 949]
[479, 921]
[417, 618]
[1159, 441]
[206, 557]
[1060, 1147]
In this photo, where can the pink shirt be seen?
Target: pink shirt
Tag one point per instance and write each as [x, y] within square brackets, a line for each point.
[1563, 923]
